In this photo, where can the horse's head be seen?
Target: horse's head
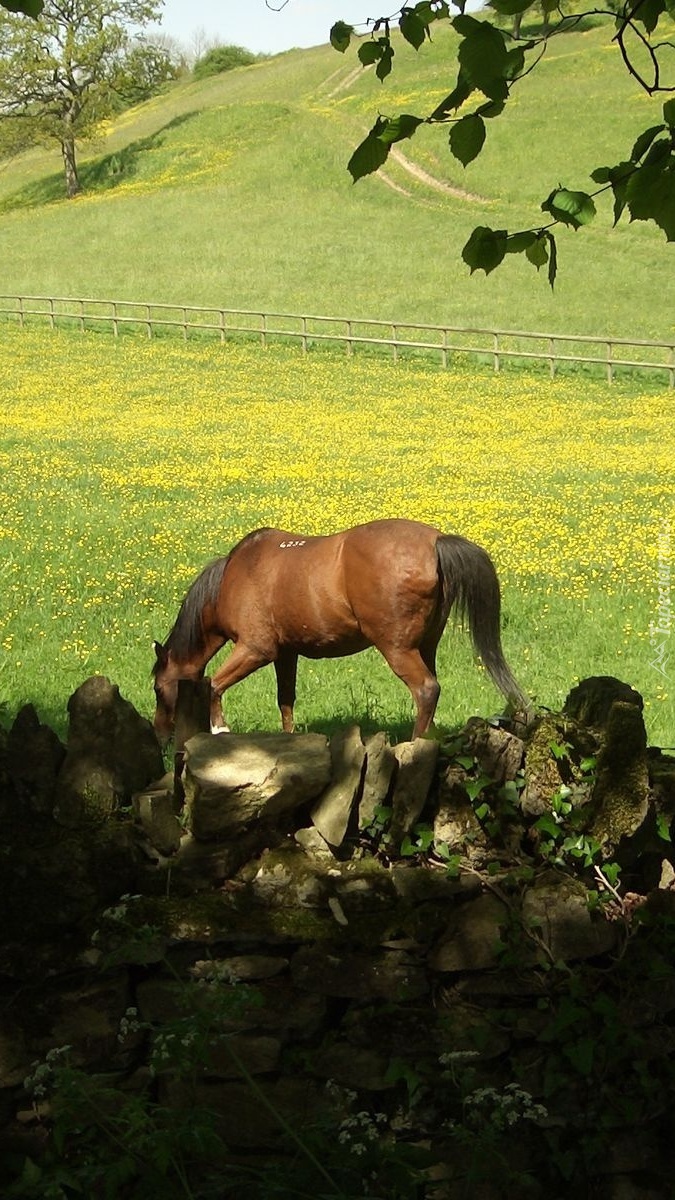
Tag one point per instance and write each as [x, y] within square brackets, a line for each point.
[167, 673]
[166, 676]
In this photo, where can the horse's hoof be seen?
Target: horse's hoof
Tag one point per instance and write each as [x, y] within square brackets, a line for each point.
[220, 729]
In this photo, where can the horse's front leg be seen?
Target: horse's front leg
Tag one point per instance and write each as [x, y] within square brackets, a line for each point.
[243, 661]
[218, 722]
[286, 668]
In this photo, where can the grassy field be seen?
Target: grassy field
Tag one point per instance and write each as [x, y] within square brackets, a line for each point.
[234, 191]
[125, 466]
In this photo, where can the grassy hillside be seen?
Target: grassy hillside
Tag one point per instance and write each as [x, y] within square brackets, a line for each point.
[234, 191]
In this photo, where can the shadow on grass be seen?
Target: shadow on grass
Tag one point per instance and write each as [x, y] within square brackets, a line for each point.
[98, 175]
[398, 730]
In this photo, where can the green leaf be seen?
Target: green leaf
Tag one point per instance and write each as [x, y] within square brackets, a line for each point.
[31, 8]
[473, 787]
[373, 150]
[618, 177]
[370, 52]
[509, 792]
[650, 195]
[465, 760]
[341, 35]
[662, 828]
[467, 138]
[424, 837]
[384, 66]
[645, 140]
[493, 108]
[407, 849]
[553, 258]
[647, 12]
[427, 11]
[396, 129]
[515, 62]
[548, 824]
[485, 249]
[612, 872]
[370, 154]
[520, 243]
[572, 208]
[483, 57]
[668, 115]
[455, 99]
[537, 251]
[413, 29]
[466, 25]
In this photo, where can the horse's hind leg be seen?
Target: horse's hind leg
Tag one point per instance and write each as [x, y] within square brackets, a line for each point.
[286, 667]
[243, 661]
[422, 683]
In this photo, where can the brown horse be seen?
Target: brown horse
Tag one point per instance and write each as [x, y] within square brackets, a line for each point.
[276, 595]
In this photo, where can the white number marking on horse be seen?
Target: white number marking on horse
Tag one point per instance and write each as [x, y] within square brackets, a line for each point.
[290, 545]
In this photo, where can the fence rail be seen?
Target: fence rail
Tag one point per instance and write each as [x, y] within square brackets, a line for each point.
[494, 346]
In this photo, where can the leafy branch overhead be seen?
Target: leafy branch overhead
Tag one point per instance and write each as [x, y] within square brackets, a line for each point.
[491, 60]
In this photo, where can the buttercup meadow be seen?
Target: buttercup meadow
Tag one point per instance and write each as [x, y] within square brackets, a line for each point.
[126, 465]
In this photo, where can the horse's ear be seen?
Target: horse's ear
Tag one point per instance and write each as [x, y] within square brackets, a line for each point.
[160, 652]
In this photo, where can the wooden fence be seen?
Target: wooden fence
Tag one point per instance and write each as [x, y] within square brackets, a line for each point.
[492, 346]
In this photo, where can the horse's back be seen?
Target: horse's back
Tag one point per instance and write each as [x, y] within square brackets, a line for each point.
[285, 588]
[333, 593]
[391, 569]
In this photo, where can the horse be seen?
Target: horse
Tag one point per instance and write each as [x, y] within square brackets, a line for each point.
[278, 595]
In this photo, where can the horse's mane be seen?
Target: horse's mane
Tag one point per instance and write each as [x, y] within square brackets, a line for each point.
[187, 636]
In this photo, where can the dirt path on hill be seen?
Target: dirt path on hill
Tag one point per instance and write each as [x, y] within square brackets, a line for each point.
[411, 168]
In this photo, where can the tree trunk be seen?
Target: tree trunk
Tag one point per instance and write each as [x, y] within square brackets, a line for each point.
[70, 165]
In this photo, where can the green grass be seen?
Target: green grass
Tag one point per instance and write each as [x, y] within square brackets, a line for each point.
[234, 191]
[125, 467]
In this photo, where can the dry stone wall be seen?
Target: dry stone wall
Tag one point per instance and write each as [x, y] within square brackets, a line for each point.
[365, 928]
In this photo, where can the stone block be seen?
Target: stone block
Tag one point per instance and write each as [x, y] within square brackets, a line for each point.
[331, 813]
[233, 780]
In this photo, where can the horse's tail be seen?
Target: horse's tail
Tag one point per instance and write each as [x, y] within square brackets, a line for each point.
[471, 587]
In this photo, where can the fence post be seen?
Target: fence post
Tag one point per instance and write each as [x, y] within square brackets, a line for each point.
[304, 334]
[444, 350]
[21, 314]
[551, 357]
[394, 337]
[263, 330]
[185, 325]
[81, 316]
[350, 348]
[114, 319]
[222, 325]
[495, 351]
[51, 313]
[610, 375]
